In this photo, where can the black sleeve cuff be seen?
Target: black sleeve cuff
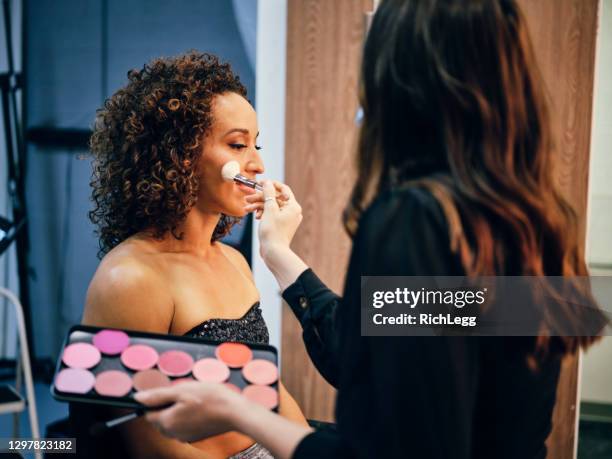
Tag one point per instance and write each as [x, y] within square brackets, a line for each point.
[306, 289]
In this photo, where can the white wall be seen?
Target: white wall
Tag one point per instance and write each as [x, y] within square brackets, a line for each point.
[270, 105]
[596, 384]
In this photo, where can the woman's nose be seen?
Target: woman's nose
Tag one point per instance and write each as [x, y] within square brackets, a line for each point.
[254, 163]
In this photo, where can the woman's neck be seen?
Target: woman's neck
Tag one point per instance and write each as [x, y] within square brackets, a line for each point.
[197, 230]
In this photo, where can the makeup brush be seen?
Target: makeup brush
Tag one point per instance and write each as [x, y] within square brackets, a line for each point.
[100, 427]
[231, 171]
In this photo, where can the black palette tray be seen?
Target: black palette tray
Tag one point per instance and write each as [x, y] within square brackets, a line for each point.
[198, 348]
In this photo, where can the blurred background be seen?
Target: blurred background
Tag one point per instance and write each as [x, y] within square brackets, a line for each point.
[60, 59]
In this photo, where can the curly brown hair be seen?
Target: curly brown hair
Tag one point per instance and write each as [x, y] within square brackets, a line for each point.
[146, 143]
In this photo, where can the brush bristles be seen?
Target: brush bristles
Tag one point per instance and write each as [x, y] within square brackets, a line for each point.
[230, 170]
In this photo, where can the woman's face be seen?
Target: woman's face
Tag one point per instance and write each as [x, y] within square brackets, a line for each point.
[232, 136]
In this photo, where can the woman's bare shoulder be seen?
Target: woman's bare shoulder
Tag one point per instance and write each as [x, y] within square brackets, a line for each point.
[128, 290]
[236, 257]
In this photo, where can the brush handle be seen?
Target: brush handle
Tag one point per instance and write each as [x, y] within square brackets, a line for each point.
[101, 427]
[250, 183]
[122, 419]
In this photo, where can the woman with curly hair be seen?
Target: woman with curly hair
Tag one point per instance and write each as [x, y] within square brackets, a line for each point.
[161, 207]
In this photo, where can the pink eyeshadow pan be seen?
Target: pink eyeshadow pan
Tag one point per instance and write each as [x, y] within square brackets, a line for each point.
[264, 395]
[139, 357]
[74, 380]
[111, 342]
[113, 383]
[260, 372]
[150, 379]
[211, 370]
[175, 363]
[81, 355]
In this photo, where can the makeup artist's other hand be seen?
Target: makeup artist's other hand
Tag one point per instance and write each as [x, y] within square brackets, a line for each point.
[199, 409]
[280, 216]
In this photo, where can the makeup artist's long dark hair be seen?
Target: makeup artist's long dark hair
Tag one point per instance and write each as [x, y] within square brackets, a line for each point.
[453, 101]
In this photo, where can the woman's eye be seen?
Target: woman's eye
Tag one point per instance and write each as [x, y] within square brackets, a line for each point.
[240, 146]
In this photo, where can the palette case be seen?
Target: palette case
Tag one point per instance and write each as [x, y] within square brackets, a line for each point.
[197, 348]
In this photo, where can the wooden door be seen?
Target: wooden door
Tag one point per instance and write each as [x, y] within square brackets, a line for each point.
[324, 42]
[564, 34]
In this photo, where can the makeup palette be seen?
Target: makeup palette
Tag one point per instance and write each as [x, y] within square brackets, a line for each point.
[109, 366]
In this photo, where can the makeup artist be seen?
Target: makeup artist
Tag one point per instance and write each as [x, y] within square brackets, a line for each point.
[454, 178]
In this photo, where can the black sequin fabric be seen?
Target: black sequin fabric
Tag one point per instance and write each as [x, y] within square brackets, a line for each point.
[250, 328]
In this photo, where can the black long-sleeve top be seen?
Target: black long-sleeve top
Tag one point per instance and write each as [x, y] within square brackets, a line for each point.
[417, 397]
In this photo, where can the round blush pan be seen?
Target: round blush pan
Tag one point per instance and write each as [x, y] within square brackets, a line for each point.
[113, 383]
[175, 363]
[181, 381]
[233, 387]
[150, 379]
[139, 357]
[264, 395]
[74, 380]
[81, 355]
[111, 342]
[261, 372]
[234, 355]
[211, 370]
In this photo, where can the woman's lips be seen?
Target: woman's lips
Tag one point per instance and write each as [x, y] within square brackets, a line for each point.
[245, 189]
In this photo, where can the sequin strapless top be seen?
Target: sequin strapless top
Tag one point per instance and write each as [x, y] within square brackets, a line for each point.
[251, 327]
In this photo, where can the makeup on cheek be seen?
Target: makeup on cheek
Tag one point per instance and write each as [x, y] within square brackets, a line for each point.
[108, 366]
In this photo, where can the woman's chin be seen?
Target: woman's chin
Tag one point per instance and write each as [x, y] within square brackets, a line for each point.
[237, 213]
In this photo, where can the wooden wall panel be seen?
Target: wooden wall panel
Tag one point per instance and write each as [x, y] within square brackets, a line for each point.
[324, 42]
[564, 37]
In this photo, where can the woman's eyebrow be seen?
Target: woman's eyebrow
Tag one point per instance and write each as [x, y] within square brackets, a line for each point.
[243, 131]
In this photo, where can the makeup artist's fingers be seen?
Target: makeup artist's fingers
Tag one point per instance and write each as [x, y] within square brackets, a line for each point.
[157, 397]
[164, 421]
[153, 417]
[252, 198]
[269, 193]
[284, 191]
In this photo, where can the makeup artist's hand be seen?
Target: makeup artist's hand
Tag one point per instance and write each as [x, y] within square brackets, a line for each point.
[199, 410]
[280, 215]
